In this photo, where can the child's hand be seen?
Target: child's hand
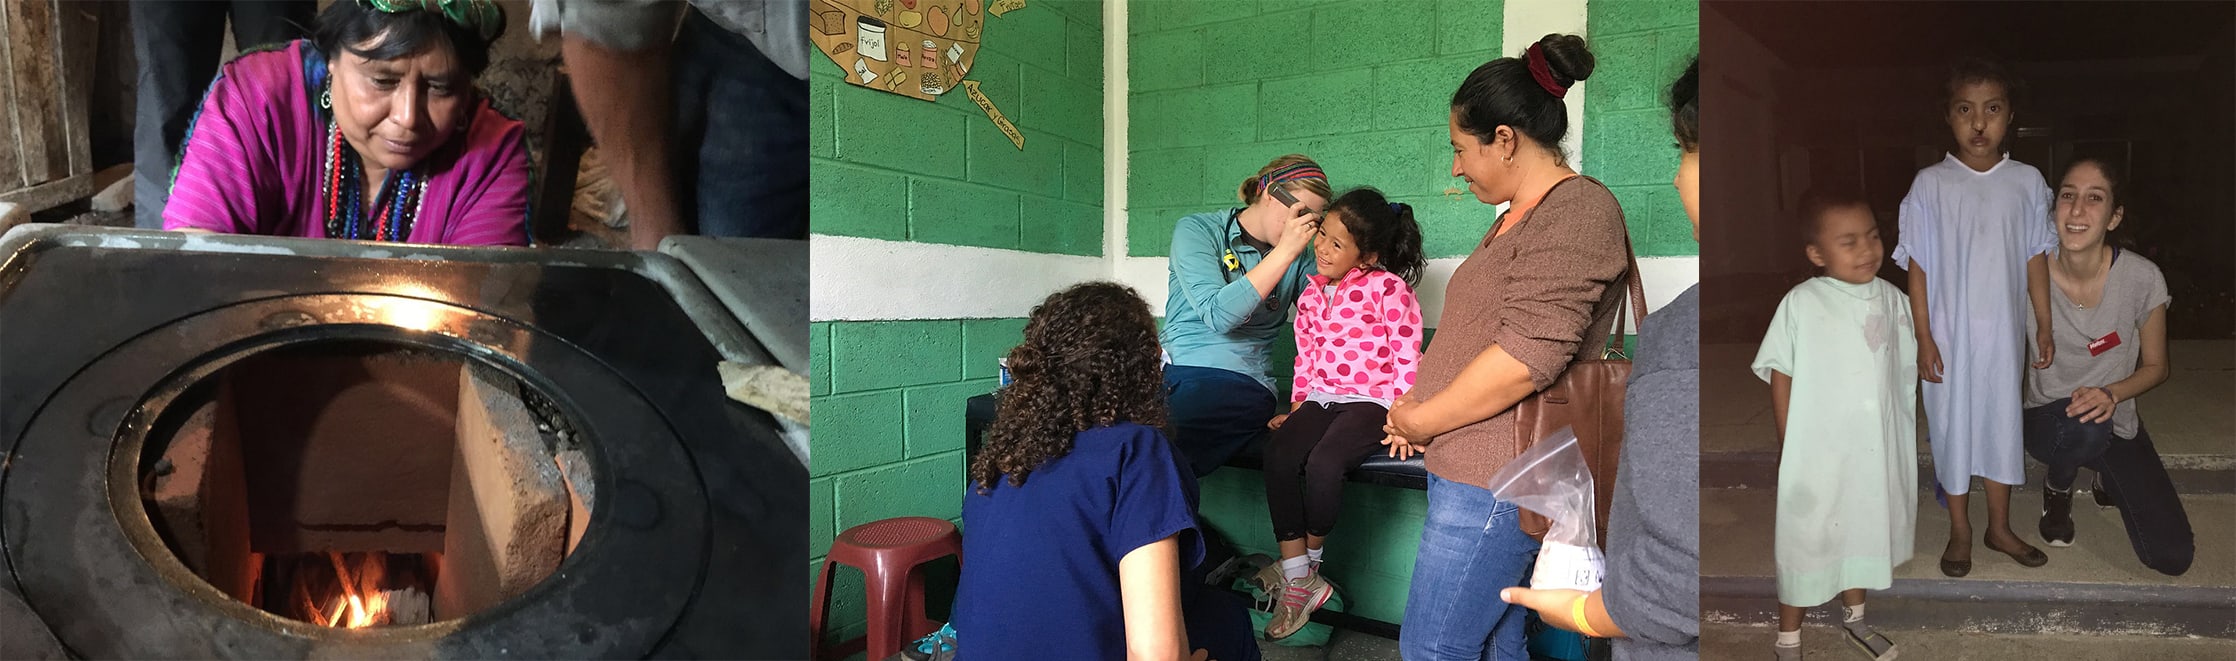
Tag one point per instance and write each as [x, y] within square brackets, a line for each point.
[1275, 423]
[2042, 339]
[1200, 655]
[1929, 361]
[2091, 405]
[1554, 607]
[1401, 448]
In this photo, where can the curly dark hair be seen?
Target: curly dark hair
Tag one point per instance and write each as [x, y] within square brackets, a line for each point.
[1382, 229]
[1090, 359]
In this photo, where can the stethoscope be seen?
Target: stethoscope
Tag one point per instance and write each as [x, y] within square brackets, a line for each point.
[1228, 260]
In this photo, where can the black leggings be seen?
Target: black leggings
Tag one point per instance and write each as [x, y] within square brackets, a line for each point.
[1318, 444]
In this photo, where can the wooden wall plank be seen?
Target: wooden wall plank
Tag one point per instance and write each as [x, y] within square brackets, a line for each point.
[11, 148]
[37, 104]
[80, 31]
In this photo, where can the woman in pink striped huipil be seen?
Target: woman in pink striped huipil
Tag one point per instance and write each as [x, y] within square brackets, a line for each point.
[370, 130]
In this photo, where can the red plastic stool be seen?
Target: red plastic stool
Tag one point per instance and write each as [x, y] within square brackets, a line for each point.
[888, 553]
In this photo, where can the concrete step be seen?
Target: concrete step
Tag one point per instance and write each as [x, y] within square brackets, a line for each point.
[2096, 585]
[2190, 473]
[1826, 642]
[2189, 418]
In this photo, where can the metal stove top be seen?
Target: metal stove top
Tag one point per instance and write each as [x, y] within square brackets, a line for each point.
[703, 502]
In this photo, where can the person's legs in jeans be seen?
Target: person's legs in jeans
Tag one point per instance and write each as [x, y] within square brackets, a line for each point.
[2157, 524]
[177, 46]
[1214, 413]
[2065, 445]
[1472, 546]
[741, 146]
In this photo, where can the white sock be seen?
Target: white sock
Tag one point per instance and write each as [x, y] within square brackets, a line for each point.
[1314, 554]
[1789, 638]
[1295, 568]
[1855, 614]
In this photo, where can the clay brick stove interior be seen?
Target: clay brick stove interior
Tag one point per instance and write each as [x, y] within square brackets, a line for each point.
[364, 484]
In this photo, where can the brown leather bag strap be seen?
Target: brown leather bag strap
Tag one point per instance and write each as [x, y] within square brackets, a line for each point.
[1637, 288]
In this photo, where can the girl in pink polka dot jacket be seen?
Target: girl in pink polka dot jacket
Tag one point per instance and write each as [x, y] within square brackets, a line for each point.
[1358, 342]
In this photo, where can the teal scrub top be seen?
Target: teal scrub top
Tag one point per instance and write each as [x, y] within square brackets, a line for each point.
[1213, 316]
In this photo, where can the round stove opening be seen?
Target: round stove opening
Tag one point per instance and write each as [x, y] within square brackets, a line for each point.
[363, 484]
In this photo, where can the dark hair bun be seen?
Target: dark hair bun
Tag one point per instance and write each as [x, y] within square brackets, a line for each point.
[1570, 61]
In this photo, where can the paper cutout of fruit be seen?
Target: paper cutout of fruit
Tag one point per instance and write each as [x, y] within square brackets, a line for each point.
[939, 22]
[910, 19]
[970, 7]
[908, 4]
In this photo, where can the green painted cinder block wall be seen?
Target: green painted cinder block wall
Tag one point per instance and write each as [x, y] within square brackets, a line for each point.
[892, 167]
[1642, 47]
[889, 394]
[1217, 89]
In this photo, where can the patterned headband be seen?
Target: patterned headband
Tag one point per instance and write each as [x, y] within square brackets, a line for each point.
[1292, 172]
[481, 16]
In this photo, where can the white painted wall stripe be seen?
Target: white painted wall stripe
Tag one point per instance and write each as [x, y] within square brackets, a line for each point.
[1665, 278]
[1530, 20]
[1114, 156]
[857, 279]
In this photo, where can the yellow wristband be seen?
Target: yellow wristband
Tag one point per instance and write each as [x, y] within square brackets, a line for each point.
[1583, 624]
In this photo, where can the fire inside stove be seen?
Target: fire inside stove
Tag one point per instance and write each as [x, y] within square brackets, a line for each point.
[360, 484]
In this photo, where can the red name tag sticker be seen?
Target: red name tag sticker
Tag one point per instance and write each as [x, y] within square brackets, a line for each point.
[2103, 344]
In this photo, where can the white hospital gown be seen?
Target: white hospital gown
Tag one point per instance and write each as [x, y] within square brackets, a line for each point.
[1847, 476]
[1973, 233]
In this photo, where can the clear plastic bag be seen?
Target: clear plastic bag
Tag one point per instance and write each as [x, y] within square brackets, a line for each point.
[1551, 479]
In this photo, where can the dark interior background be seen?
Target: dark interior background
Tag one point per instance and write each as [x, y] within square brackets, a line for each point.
[1849, 94]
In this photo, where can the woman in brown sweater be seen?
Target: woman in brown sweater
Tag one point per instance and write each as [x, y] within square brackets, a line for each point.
[1515, 314]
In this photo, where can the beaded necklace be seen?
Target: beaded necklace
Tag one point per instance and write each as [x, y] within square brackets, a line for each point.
[399, 200]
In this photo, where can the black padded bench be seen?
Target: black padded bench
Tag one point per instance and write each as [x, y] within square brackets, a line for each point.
[1379, 469]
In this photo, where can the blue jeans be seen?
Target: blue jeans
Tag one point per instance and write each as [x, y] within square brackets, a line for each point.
[1472, 546]
[1214, 413]
[741, 136]
[2157, 524]
[2063, 443]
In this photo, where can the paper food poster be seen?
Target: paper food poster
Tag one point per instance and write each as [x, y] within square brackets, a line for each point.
[918, 48]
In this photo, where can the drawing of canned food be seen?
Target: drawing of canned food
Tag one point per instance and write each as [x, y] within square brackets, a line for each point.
[869, 38]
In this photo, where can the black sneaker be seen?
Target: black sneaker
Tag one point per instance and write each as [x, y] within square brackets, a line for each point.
[2104, 497]
[2057, 517]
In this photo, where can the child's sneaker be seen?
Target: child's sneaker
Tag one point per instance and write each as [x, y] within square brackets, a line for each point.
[1873, 645]
[1787, 653]
[1298, 599]
[2057, 517]
[939, 646]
